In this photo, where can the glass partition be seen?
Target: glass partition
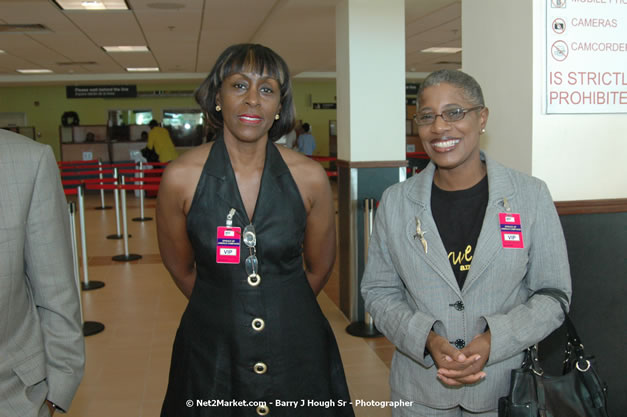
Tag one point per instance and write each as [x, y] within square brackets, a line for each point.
[185, 126]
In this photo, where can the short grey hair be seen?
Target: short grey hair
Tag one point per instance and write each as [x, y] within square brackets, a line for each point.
[459, 79]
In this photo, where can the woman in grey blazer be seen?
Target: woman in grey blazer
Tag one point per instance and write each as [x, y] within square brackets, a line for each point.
[455, 255]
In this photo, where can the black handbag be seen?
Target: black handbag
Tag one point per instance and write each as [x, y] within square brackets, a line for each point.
[578, 392]
[150, 154]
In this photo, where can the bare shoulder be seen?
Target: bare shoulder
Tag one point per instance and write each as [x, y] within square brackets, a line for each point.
[308, 174]
[181, 176]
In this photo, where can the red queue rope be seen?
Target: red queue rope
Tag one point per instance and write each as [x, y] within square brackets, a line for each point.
[88, 181]
[142, 171]
[110, 171]
[84, 173]
[150, 187]
[145, 179]
[101, 166]
[323, 158]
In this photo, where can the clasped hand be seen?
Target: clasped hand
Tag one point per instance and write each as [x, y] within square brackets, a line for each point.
[459, 367]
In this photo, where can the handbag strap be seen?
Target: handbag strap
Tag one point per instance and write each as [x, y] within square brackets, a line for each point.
[593, 383]
[574, 344]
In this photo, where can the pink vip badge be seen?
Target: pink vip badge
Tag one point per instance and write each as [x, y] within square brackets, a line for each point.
[511, 230]
[227, 248]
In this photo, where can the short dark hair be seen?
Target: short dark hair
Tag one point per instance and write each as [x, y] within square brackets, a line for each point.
[459, 79]
[153, 123]
[258, 59]
[306, 127]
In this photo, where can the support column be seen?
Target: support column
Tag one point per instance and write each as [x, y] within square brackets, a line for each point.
[370, 61]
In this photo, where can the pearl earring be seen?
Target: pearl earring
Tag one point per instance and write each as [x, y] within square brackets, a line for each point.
[277, 116]
[482, 130]
[218, 108]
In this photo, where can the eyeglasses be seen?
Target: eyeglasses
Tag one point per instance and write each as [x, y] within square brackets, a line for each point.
[452, 115]
[251, 263]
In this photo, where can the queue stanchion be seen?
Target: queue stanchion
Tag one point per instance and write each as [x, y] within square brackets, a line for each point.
[125, 256]
[116, 197]
[89, 327]
[141, 217]
[366, 327]
[86, 285]
[102, 206]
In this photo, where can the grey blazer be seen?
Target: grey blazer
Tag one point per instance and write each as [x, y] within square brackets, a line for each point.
[41, 337]
[409, 291]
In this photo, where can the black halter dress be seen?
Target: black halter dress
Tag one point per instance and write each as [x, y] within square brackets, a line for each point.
[244, 350]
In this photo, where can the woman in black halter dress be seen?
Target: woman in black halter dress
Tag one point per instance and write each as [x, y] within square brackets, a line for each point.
[235, 219]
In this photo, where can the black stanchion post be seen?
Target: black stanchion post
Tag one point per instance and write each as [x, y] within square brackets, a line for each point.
[86, 284]
[102, 198]
[366, 328]
[126, 256]
[141, 217]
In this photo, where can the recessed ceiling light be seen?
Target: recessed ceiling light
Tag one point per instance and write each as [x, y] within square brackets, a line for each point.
[143, 69]
[34, 71]
[142, 48]
[437, 50]
[92, 4]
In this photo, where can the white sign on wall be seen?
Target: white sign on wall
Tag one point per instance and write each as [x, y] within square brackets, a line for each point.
[586, 56]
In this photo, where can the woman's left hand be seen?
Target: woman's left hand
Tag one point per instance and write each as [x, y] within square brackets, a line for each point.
[480, 345]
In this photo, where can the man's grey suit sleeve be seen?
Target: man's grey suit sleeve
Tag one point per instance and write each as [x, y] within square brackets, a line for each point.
[385, 299]
[547, 268]
[50, 275]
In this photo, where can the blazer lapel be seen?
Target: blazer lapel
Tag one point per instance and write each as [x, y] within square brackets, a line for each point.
[500, 186]
[435, 254]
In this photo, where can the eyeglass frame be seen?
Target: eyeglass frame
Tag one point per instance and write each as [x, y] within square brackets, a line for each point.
[464, 111]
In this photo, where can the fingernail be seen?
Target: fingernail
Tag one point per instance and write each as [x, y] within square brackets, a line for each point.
[477, 358]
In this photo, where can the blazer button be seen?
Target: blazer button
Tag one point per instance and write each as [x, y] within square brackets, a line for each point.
[260, 368]
[263, 410]
[254, 280]
[258, 324]
[459, 306]
[459, 344]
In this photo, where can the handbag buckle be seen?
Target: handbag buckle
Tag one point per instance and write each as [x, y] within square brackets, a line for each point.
[579, 368]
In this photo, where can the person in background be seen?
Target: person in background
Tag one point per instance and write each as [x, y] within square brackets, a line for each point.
[456, 255]
[143, 137]
[306, 141]
[42, 352]
[289, 139]
[246, 228]
[160, 141]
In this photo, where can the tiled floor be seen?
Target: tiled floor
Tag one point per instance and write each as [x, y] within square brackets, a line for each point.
[127, 364]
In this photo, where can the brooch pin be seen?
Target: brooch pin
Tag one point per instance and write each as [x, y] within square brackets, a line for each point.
[420, 234]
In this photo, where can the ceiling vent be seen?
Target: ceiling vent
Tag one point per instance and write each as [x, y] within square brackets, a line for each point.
[72, 63]
[28, 28]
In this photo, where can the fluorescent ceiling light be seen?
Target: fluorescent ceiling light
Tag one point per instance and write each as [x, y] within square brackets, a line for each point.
[142, 48]
[2, 52]
[34, 71]
[436, 50]
[143, 69]
[92, 4]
